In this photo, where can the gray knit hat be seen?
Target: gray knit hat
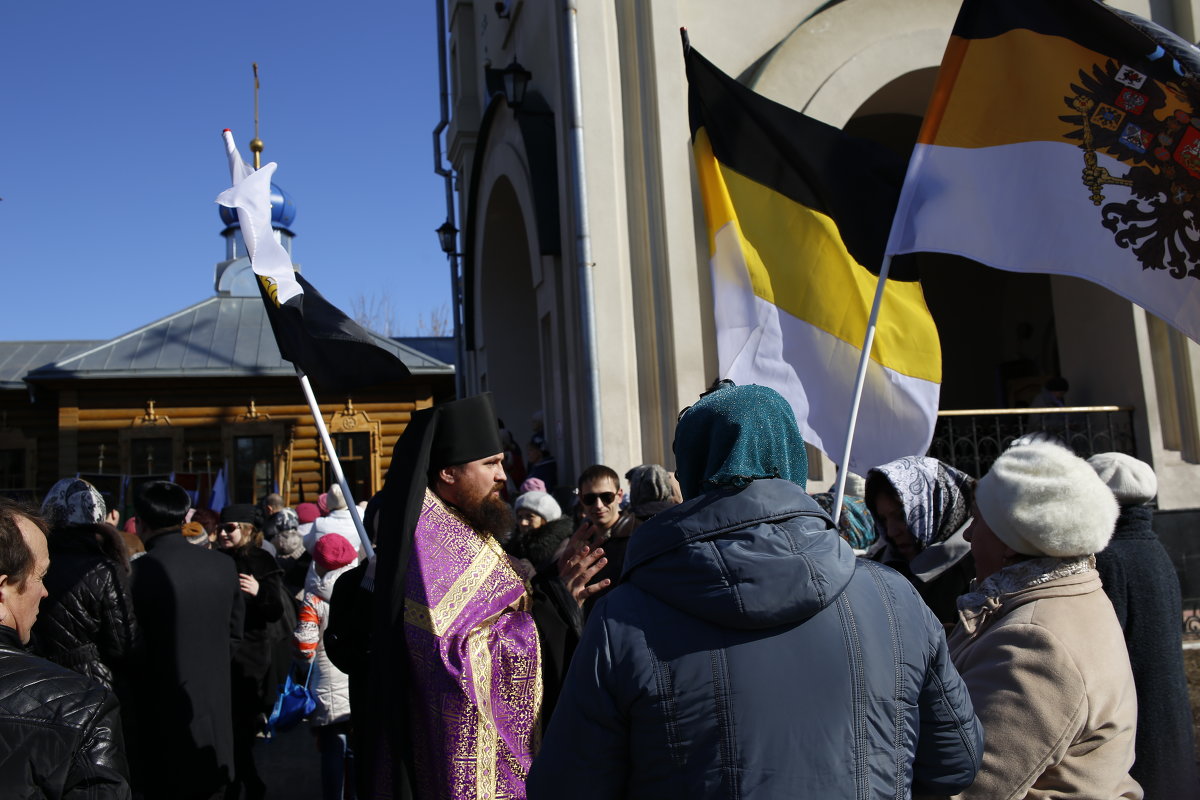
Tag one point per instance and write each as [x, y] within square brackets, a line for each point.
[1041, 499]
[541, 504]
[1132, 482]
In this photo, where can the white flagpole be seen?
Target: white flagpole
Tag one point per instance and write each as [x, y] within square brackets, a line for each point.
[859, 380]
[273, 262]
[914, 165]
[333, 462]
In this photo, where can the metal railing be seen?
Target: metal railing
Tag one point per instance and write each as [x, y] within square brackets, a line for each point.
[971, 440]
[1191, 618]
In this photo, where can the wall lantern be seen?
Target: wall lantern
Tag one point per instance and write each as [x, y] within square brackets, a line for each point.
[516, 80]
[447, 237]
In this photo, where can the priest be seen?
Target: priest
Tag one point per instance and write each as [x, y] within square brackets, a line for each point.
[463, 648]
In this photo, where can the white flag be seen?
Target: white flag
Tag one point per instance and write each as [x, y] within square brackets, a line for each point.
[251, 196]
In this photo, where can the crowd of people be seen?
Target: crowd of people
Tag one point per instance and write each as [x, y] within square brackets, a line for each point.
[710, 632]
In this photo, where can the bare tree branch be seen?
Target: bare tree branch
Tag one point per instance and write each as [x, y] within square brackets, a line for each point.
[439, 322]
[375, 313]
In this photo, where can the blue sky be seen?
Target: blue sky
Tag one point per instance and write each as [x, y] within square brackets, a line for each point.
[112, 153]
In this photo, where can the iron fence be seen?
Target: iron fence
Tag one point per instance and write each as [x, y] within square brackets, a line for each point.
[972, 440]
[1191, 617]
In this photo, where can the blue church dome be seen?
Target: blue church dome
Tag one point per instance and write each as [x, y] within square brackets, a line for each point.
[283, 210]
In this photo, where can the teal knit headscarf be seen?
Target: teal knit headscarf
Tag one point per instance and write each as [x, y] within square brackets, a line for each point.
[737, 434]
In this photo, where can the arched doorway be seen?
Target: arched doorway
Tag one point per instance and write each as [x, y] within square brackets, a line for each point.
[508, 347]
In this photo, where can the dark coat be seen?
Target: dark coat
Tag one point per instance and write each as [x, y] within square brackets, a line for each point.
[940, 573]
[190, 610]
[1140, 579]
[747, 653]
[253, 656]
[86, 622]
[60, 735]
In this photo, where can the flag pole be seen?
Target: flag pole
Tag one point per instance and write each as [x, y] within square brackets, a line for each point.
[859, 380]
[333, 462]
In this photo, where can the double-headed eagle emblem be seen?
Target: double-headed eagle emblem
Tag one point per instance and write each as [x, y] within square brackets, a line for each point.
[1151, 126]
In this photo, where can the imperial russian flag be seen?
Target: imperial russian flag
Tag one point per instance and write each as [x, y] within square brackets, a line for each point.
[798, 215]
[334, 351]
[1064, 137]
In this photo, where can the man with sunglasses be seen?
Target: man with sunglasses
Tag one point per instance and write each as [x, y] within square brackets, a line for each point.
[606, 527]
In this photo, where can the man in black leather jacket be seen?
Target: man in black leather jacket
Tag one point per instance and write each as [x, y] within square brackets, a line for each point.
[60, 735]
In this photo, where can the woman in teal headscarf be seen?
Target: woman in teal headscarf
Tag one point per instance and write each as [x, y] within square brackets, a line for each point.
[737, 434]
[747, 653]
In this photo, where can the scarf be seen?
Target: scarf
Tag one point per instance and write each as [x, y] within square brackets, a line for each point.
[936, 497]
[987, 598]
[737, 434]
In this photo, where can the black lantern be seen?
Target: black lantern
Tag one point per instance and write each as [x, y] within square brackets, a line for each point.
[516, 80]
[447, 235]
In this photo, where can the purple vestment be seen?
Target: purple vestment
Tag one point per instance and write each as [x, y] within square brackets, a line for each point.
[475, 667]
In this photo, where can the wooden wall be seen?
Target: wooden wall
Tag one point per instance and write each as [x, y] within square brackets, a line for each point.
[71, 421]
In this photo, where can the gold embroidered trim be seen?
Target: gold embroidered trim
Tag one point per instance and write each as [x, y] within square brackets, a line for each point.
[487, 738]
[437, 620]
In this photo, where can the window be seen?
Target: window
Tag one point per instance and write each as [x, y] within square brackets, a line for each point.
[151, 456]
[356, 439]
[252, 451]
[354, 454]
[253, 468]
[152, 450]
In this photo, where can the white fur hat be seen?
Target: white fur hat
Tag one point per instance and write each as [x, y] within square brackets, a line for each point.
[1131, 481]
[1042, 500]
[541, 504]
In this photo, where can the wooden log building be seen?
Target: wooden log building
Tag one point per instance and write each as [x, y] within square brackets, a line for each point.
[201, 392]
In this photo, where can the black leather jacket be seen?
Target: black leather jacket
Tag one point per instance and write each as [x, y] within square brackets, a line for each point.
[86, 623]
[59, 731]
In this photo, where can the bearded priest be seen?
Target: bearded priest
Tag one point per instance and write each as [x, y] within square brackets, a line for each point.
[457, 658]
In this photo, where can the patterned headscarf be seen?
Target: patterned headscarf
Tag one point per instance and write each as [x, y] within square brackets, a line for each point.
[735, 435]
[936, 497]
[854, 524]
[72, 501]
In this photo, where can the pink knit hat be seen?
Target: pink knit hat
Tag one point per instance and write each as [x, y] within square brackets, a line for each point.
[333, 551]
[308, 512]
[533, 485]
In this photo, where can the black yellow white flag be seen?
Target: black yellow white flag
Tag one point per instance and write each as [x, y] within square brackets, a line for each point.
[798, 215]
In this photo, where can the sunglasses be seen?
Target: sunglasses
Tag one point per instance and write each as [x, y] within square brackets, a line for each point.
[230, 527]
[604, 497]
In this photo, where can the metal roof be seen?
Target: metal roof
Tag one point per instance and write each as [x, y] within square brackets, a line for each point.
[218, 337]
[18, 358]
[439, 347]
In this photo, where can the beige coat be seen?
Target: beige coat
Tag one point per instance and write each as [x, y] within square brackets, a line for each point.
[1050, 680]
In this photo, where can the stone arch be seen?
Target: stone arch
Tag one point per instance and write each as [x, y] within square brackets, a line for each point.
[839, 59]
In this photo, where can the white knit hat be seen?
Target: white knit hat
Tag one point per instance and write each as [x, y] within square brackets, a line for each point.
[1131, 481]
[1041, 499]
[541, 504]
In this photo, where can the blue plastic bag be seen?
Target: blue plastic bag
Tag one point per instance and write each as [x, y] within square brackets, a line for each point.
[295, 702]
